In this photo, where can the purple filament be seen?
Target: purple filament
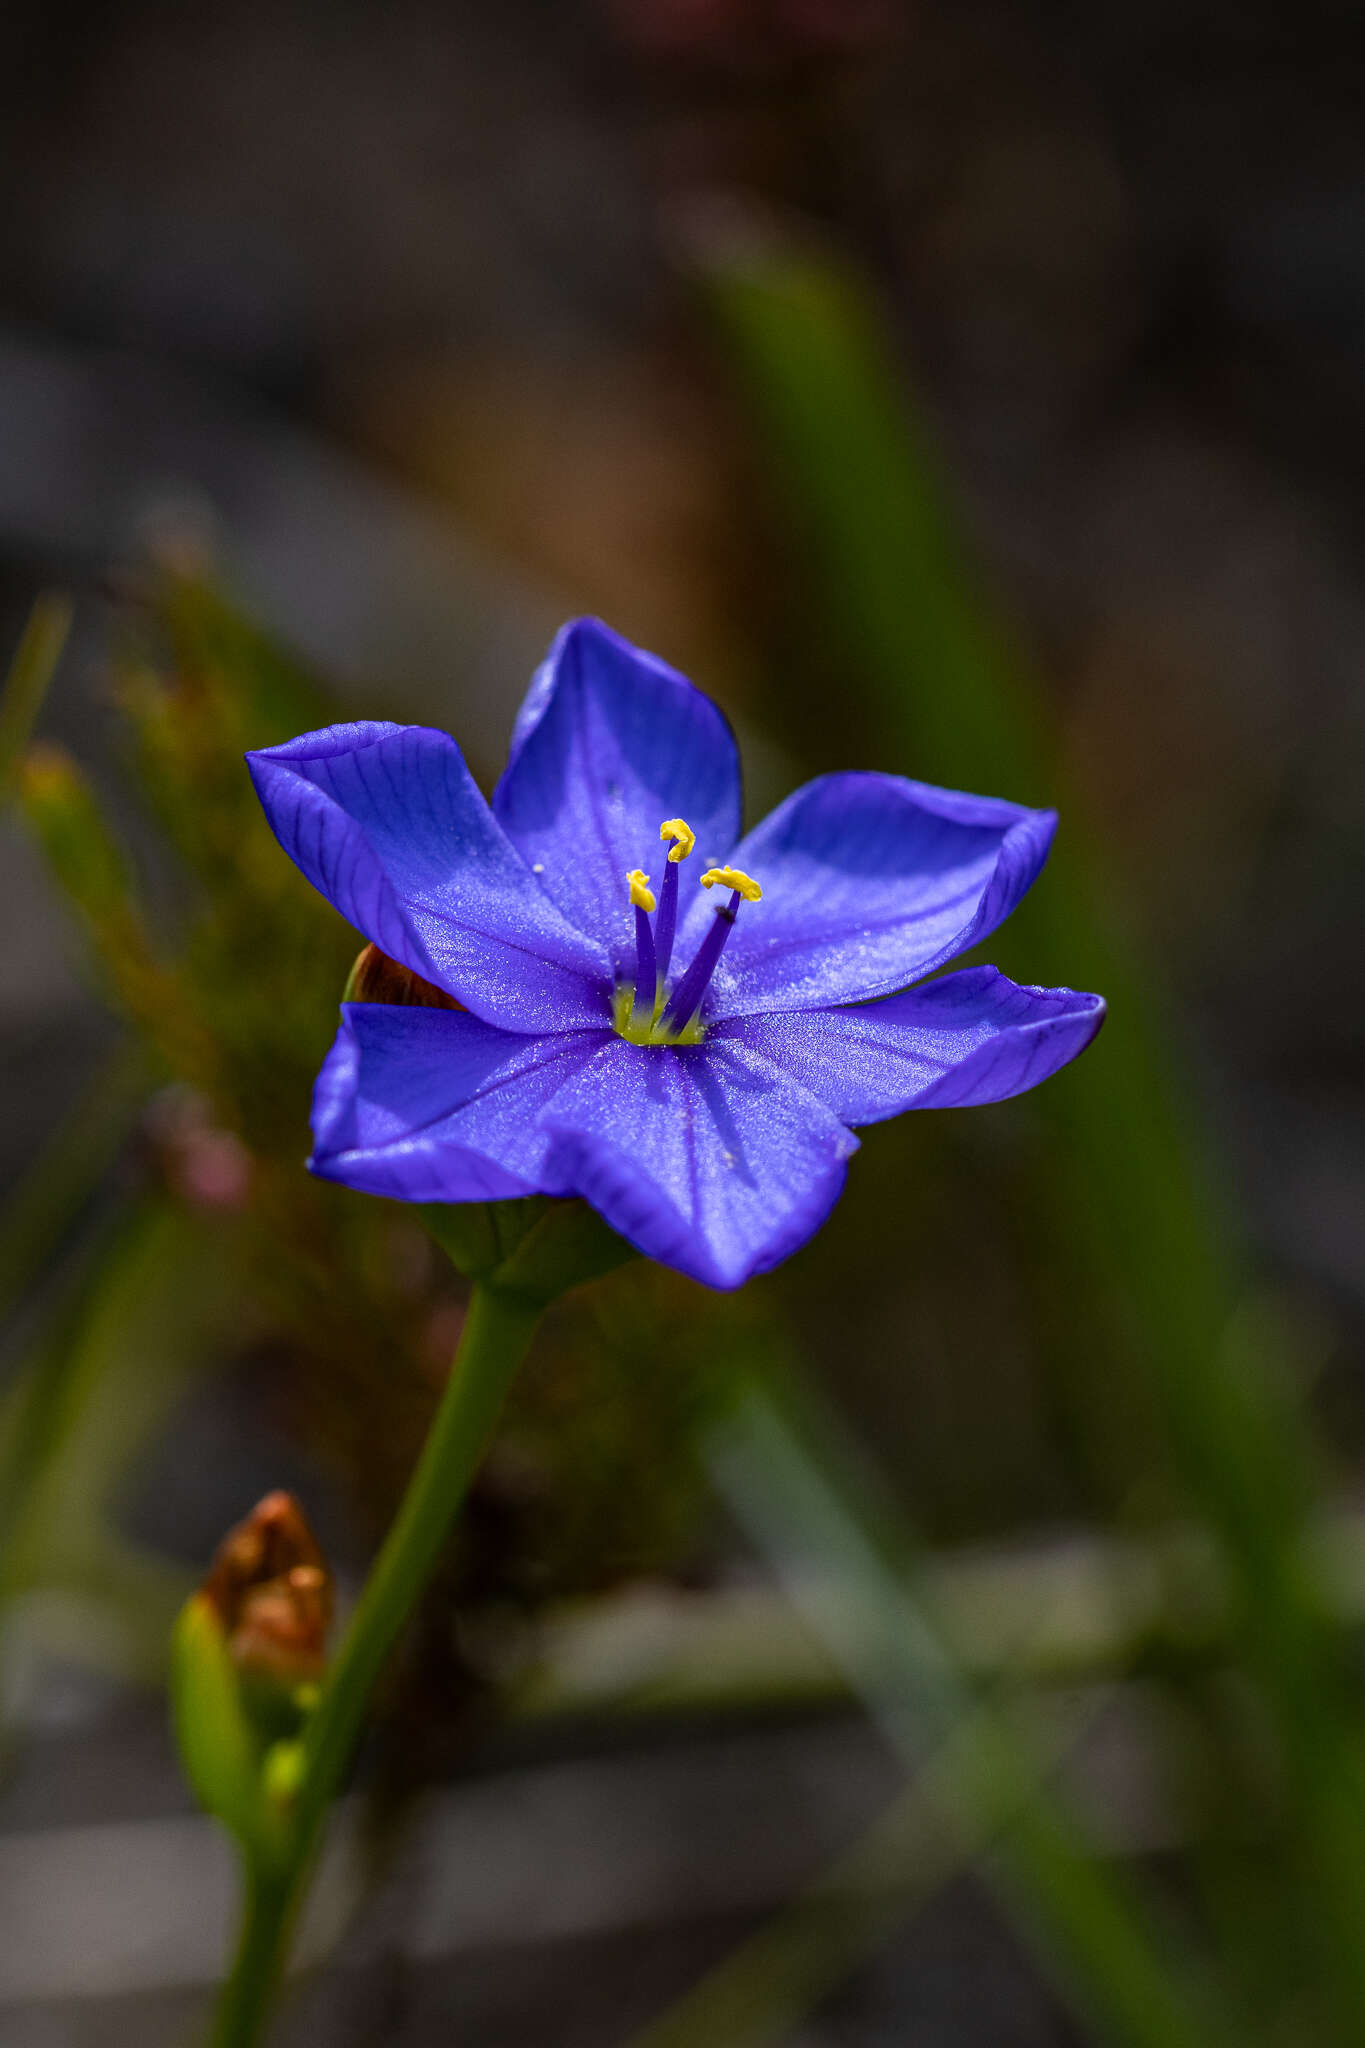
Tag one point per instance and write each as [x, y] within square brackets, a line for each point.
[646, 974]
[686, 999]
[667, 921]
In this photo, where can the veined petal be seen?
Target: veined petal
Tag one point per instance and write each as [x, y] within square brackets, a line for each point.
[389, 824]
[968, 1038]
[869, 881]
[609, 742]
[405, 1091]
[707, 1158]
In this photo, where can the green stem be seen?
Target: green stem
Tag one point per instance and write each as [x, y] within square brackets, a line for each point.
[497, 1334]
[496, 1338]
[40, 649]
[257, 1963]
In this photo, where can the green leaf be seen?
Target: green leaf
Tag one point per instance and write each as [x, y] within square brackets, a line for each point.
[1144, 1226]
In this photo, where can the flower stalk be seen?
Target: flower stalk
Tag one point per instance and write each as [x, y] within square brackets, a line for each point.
[280, 1843]
[497, 1336]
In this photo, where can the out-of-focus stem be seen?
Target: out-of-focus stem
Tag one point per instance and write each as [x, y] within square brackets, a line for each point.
[40, 648]
[497, 1333]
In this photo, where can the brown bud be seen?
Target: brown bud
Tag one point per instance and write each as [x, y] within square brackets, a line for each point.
[377, 979]
[272, 1591]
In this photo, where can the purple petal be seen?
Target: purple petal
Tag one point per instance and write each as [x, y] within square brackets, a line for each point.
[706, 1158]
[388, 823]
[609, 742]
[405, 1090]
[969, 1038]
[869, 881]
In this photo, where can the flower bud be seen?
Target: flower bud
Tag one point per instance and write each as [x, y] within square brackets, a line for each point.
[271, 1589]
[248, 1651]
[376, 979]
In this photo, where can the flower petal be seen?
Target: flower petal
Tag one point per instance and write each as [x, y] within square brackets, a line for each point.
[706, 1158]
[968, 1038]
[609, 742]
[404, 1088]
[387, 821]
[869, 881]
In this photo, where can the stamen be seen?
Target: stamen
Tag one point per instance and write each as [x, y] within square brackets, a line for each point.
[681, 832]
[684, 838]
[642, 1013]
[687, 997]
[646, 974]
[733, 878]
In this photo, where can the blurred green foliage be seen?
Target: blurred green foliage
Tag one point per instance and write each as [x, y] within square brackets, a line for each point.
[1136, 1230]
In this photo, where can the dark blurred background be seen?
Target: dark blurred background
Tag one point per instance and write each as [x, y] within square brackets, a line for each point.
[361, 346]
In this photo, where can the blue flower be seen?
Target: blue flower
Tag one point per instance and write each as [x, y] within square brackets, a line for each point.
[687, 1058]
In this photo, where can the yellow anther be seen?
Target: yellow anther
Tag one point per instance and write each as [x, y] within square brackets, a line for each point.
[732, 878]
[641, 895]
[679, 830]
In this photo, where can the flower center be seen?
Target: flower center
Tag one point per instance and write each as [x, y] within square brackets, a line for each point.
[651, 1012]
